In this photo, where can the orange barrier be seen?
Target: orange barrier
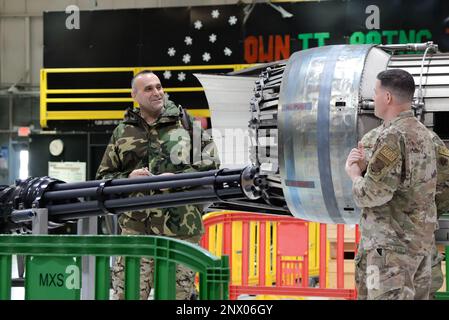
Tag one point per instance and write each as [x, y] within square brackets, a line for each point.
[290, 259]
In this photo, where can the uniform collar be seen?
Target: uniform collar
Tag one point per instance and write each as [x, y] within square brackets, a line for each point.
[169, 113]
[402, 115]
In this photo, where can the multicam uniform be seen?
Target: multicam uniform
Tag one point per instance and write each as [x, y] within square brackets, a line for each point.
[163, 147]
[398, 212]
[441, 197]
[442, 203]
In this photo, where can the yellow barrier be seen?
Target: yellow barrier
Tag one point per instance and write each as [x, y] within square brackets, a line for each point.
[46, 115]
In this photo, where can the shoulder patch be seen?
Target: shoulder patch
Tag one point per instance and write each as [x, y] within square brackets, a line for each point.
[442, 150]
[443, 157]
[383, 160]
[388, 154]
[377, 165]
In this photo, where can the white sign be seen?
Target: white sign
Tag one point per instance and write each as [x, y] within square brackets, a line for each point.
[67, 171]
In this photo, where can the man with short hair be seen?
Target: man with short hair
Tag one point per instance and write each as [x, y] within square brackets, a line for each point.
[397, 197]
[441, 198]
[152, 140]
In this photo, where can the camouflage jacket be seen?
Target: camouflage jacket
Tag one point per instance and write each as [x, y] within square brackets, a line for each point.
[442, 154]
[442, 194]
[163, 146]
[397, 193]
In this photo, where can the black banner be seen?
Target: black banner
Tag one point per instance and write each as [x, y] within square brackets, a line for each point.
[231, 34]
[223, 34]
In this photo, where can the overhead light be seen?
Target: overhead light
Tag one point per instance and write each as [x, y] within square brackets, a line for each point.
[249, 8]
[247, 11]
[284, 13]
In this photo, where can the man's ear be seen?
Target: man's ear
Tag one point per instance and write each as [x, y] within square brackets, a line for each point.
[133, 93]
[389, 97]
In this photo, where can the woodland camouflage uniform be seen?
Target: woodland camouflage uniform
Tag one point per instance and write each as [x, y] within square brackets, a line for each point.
[163, 146]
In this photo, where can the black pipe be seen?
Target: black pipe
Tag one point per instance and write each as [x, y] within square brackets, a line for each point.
[116, 203]
[125, 202]
[72, 207]
[228, 178]
[73, 216]
[192, 199]
[164, 203]
[126, 181]
[131, 187]
[64, 200]
[132, 202]
[125, 189]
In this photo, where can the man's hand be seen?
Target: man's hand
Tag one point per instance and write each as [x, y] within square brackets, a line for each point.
[352, 167]
[363, 164]
[139, 173]
[166, 174]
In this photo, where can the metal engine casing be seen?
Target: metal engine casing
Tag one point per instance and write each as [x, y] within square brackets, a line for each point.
[305, 115]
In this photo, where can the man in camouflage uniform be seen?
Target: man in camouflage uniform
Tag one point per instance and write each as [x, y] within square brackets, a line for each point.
[397, 197]
[152, 140]
[441, 198]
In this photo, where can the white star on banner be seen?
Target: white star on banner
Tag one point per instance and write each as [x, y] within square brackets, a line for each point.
[171, 51]
[206, 56]
[215, 14]
[198, 24]
[188, 40]
[227, 51]
[186, 58]
[181, 76]
[232, 20]
[167, 74]
[213, 37]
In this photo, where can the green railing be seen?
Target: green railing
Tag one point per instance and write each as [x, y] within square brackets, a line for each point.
[445, 295]
[166, 252]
